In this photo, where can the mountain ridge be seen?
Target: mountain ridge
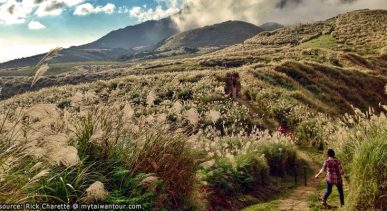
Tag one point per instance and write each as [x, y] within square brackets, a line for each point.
[217, 35]
[109, 47]
[143, 34]
[140, 40]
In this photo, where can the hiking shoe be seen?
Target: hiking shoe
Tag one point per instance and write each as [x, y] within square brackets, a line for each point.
[324, 203]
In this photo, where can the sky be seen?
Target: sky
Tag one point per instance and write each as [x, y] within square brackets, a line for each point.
[29, 27]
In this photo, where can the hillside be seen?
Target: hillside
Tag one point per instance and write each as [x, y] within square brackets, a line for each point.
[361, 32]
[162, 133]
[215, 36]
[287, 50]
[332, 56]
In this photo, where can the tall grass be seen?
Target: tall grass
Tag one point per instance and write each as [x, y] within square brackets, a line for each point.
[363, 150]
[369, 171]
[14, 174]
[150, 167]
[41, 67]
[159, 158]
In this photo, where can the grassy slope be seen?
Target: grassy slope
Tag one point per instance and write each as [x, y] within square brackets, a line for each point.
[323, 41]
[55, 69]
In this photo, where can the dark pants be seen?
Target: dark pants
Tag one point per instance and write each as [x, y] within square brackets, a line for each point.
[329, 191]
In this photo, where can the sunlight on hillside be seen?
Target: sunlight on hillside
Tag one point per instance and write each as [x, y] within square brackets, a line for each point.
[323, 41]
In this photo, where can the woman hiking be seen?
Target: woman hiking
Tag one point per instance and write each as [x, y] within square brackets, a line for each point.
[334, 177]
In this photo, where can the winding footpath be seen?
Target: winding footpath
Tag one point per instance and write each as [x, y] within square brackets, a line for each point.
[298, 199]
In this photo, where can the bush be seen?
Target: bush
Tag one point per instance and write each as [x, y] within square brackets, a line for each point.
[185, 95]
[281, 157]
[64, 104]
[252, 171]
[135, 189]
[166, 95]
[138, 98]
[310, 132]
[230, 176]
[221, 177]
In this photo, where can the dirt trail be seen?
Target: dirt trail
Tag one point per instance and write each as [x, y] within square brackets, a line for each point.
[298, 199]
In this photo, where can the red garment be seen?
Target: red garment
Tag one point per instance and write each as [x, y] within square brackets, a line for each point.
[281, 129]
[334, 171]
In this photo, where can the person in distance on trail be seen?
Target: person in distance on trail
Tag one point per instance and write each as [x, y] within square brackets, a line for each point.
[334, 177]
[285, 130]
[233, 85]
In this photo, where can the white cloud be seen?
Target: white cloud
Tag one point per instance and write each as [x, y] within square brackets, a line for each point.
[55, 7]
[163, 9]
[144, 14]
[203, 12]
[31, 3]
[14, 12]
[123, 10]
[87, 8]
[36, 25]
[17, 11]
[71, 3]
[47, 8]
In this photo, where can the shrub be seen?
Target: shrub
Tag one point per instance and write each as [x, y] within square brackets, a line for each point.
[184, 95]
[221, 177]
[138, 98]
[252, 171]
[311, 132]
[139, 189]
[281, 157]
[168, 95]
[64, 104]
[113, 85]
[233, 175]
